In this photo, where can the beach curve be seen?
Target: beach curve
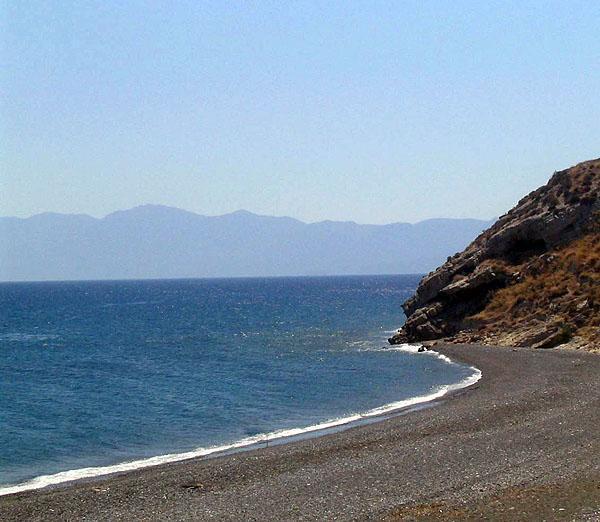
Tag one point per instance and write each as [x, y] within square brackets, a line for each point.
[282, 436]
[529, 423]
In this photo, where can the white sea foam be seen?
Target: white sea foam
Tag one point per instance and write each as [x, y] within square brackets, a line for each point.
[410, 348]
[82, 473]
[27, 337]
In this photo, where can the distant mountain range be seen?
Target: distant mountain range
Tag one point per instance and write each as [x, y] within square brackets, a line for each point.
[154, 241]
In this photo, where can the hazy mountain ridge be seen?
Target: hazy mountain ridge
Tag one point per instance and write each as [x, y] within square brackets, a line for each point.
[153, 241]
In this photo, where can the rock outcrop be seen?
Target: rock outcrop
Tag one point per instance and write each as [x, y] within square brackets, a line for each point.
[533, 278]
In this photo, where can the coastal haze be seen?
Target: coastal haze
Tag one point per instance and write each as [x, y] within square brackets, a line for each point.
[249, 267]
[153, 241]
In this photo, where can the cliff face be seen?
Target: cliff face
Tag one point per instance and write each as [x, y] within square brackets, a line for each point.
[533, 278]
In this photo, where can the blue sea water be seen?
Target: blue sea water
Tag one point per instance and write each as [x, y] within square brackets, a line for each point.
[99, 373]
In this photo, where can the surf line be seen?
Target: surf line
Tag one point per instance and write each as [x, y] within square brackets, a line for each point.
[274, 437]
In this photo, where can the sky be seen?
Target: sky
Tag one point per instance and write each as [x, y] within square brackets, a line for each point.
[374, 112]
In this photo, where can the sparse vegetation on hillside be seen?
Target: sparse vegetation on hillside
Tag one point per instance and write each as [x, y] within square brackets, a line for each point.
[561, 288]
[532, 279]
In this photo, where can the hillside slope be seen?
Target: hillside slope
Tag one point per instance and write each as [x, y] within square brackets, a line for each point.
[533, 278]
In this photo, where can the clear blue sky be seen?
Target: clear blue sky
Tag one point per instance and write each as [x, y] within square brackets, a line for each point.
[367, 111]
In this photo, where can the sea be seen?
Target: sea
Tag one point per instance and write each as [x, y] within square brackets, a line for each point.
[106, 376]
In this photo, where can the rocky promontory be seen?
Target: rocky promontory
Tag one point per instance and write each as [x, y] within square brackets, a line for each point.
[532, 279]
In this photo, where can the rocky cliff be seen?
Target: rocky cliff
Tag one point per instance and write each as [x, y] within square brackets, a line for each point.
[532, 279]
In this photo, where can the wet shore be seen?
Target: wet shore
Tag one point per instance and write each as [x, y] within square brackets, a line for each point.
[521, 441]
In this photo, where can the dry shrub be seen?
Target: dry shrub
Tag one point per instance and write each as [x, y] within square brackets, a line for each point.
[566, 285]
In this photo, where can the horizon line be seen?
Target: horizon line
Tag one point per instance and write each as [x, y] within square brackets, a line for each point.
[205, 278]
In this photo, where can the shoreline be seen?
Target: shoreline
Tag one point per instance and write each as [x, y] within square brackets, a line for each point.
[529, 423]
[261, 440]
